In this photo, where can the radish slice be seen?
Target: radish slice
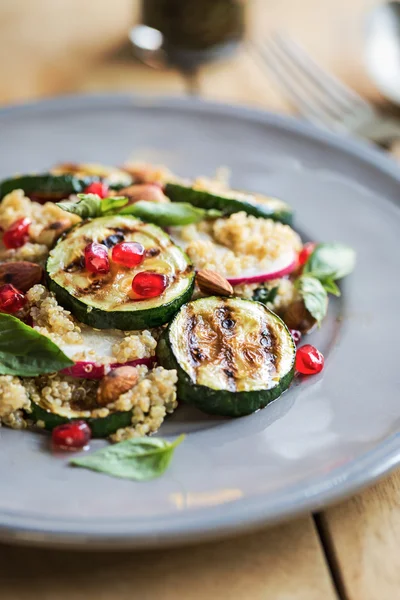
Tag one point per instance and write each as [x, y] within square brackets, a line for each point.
[283, 265]
[101, 341]
[91, 370]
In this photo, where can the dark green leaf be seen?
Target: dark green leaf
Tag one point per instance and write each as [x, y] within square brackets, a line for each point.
[330, 286]
[24, 351]
[169, 214]
[138, 458]
[264, 295]
[314, 296]
[87, 207]
[330, 261]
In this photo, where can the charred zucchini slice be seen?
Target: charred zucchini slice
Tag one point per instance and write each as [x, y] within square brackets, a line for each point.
[46, 186]
[101, 427]
[231, 201]
[106, 301]
[233, 356]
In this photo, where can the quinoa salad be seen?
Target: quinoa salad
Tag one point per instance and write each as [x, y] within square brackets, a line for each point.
[127, 291]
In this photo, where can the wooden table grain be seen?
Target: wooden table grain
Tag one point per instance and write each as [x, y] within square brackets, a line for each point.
[347, 552]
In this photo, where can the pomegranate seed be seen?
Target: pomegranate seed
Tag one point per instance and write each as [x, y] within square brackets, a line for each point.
[71, 436]
[306, 252]
[11, 299]
[309, 360]
[129, 254]
[148, 284]
[96, 258]
[97, 187]
[17, 234]
[296, 335]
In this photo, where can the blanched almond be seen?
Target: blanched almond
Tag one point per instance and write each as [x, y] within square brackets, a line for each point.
[212, 283]
[114, 384]
[21, 274]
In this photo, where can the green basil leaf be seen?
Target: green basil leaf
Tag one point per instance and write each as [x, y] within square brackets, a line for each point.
[330, 286]
[24, 351]
[138, 458]
[87, 207]
[113, 204]
[264, 295]
[330, 261]
[314, 296]
[169, 214]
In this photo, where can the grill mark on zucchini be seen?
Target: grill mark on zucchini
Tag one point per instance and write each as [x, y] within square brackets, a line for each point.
[224, 334]
[270, 345]
[113, 239]
[195, 353]
[76, 265]
[152, 252]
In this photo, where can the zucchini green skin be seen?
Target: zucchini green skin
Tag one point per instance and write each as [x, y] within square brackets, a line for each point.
[46, 185]
[228, 206]
[101, 427]
[219, 402]
[127, 321]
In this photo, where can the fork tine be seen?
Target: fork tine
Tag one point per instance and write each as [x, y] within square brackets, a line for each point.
[340, 97]
[300, 98]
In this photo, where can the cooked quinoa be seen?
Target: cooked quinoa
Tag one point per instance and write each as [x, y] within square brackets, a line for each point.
[138, 344]
[243, 242]
[13, 400]
[286, 294]
[16, 205]
[50, 318]
[151, 399]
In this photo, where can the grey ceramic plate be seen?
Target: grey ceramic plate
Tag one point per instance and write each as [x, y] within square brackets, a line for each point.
[327, 436]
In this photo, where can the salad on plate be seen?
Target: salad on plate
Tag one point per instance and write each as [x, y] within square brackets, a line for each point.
[125, 292]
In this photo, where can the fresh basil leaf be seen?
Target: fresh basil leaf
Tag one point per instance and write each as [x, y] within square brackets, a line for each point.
[330, 261]
[138, 458]
[169, 214]
[24, 351]
[330, 286]
[113, 204]
[314, 296]
[264, 295]
[87, 207]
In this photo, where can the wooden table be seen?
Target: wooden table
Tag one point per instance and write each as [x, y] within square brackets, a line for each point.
[349, 551]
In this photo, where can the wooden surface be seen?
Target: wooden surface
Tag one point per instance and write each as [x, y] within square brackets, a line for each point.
[348, 552]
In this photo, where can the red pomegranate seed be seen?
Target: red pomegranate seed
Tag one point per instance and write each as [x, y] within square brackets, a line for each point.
[309, 360]
[296, 335]
[17, 234]
[96, 258]
[306, 252]
[71, 436]
[97, 187]
[149, 285]
[11, 299]
[129, 254]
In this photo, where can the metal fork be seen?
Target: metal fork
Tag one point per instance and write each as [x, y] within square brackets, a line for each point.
[322, 98]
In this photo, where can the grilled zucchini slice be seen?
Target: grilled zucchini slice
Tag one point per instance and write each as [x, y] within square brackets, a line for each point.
[106, 301]
[233, 356]
[231, 201]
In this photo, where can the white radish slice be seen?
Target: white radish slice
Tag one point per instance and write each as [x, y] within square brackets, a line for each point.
[281, 266]
[101, 342]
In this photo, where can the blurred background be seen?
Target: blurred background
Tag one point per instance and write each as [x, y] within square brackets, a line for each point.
[213, 48]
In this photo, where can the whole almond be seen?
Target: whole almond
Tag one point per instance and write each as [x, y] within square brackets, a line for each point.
[212, 283]
[143, 191]
[21, 274]
[114, 384]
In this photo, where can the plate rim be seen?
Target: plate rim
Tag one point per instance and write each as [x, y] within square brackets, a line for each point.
[245, 514]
